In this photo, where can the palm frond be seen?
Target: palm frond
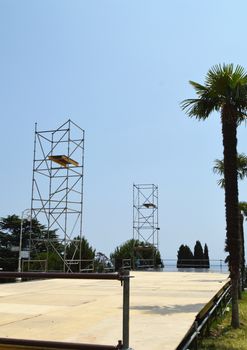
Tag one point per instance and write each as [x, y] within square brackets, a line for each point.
[221, 183]
[239, 76]
[241, 168]
[200, 89]
[218, 75]
[197, 108]
[226, 80]
[218, 167]
[243, 208]
[224, 84]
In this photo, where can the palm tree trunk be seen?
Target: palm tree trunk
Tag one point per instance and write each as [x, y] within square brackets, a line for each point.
[242, 264]
[235, 309]
[242, 251]
[240, 282]
[229, 132]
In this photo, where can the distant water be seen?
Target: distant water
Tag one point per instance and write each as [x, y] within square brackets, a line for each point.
[215, 266]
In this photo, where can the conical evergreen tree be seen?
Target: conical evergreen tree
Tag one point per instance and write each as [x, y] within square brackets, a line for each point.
[185, 257]
[198, 255]
[206, 257]
[180, 256]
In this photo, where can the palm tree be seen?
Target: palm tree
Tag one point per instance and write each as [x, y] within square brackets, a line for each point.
[225, 91]
[242, 173]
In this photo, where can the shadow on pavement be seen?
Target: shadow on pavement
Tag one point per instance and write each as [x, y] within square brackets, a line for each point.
[168, 310]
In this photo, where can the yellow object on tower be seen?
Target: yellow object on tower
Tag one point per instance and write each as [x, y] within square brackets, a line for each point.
[63, 160]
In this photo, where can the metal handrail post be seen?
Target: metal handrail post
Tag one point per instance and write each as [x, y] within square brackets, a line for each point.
[126, 298]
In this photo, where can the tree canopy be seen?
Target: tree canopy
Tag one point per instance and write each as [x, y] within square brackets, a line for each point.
[10, 229]
[138, 253]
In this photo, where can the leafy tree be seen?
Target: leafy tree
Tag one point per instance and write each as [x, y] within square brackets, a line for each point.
[83, 249]
[53, 260]
[102, 263]
[124, 251]
[8, 259]
[128, 250]
[5, 240]
[80, 250]
[9, 239]
[225, 91]
[10, 227]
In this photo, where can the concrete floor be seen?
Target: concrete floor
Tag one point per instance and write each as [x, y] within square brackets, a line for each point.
[163, 306]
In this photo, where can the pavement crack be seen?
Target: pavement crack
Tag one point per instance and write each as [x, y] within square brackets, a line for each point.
[22, 319]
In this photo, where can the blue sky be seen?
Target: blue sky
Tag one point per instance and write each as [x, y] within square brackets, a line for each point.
[119, 69]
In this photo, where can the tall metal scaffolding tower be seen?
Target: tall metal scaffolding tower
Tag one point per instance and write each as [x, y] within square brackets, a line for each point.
[145, 219]
[57, 195]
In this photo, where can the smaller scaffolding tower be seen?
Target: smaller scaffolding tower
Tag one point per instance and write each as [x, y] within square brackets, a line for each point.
[145, 224]
[57, 197]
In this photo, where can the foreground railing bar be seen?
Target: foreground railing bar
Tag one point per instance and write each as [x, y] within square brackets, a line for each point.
[204, 311]
[122, 276]
[43, 344]
[68, 275]
[212, 310]
[195, 328]
[217, 302]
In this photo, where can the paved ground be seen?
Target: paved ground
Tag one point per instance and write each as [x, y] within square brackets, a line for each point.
[163, 307]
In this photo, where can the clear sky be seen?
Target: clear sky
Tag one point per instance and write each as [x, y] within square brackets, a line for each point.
[119, 69]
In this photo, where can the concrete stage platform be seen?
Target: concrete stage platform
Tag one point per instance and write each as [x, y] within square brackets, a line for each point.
[163, 306]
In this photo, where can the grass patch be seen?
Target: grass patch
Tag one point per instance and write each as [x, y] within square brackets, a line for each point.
[223, 337]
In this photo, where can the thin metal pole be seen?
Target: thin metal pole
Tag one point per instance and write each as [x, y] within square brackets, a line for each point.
[20, 243]
[21, 236]
[50, 171]
[32, 199]
[81, 197]
[66, 240]
[126, 297]
[134, 233]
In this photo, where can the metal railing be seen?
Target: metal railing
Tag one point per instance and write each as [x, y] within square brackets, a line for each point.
[88, 265]
[50, 345]
[34, 265]
[217, 265]
[126, 264]
[122, 276]
[216, 306]
[144, 264]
